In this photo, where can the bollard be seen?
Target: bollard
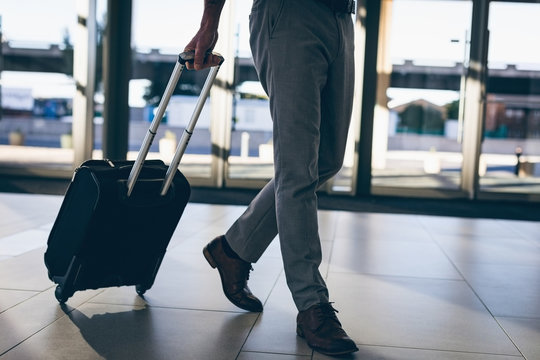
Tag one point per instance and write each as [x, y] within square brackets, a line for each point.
[244, 145]
[518, 152]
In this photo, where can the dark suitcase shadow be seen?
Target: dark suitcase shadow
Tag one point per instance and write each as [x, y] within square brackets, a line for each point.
[159, 333]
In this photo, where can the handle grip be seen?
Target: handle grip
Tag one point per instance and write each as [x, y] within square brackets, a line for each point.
[189, 56]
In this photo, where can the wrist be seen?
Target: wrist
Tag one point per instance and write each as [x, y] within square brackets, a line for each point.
[209, 26]
[211, 14]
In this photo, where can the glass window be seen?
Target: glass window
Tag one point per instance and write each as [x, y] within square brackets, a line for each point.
[37, 86]
[423, 47]
[510, 159]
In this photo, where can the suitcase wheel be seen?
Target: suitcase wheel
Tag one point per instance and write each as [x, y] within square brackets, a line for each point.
[140, 289]
[60, 295]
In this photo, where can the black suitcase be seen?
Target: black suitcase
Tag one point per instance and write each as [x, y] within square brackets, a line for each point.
[117, 217]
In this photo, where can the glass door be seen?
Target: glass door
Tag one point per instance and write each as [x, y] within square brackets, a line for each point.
[510, 153]
[37, 85]
[422, 60]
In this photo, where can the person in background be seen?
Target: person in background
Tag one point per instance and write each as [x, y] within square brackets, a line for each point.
[303, 53]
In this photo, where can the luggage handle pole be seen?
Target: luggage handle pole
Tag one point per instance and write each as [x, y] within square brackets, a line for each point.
[150, 135]
[188, 131]
[152, 131]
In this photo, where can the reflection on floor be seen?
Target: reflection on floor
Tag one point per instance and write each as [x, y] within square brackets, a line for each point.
[407, 287]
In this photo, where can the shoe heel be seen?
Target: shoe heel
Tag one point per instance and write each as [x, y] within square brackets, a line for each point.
[209, 257]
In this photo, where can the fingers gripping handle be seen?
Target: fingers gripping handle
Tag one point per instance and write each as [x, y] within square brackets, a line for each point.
[149, 138]
[189, 56]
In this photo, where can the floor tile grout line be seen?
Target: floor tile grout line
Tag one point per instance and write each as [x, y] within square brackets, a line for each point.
[328, 271]
[36, 293]
[247, 335]
[432, 240]
[167, 307]
[534, 318]
[441, 350]
[33, 334]
[62, 306]
[507, 334]
[259, 314]
[463, 280]
[473, 291]
[333, 241]
[395, 276]
[276, 353]
[517, 232]
[26, 290]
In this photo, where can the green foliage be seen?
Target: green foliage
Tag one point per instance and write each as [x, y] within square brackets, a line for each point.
[452, 110]
[421, 119]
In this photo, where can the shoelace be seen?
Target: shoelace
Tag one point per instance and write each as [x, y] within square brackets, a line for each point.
[245, 269]
[327, 311]
[249, 270]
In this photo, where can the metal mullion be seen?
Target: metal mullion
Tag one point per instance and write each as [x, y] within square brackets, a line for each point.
[221, 100]
[475, 99]
[84, 74]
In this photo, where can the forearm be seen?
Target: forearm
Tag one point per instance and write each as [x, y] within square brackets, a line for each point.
[207, 36]
[211, 14]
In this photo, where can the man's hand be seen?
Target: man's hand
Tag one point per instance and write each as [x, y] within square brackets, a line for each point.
[204, 41]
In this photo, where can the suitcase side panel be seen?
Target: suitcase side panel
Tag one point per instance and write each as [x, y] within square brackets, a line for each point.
[72, 222]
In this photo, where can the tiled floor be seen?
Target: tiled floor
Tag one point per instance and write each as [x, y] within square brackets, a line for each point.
[407, 287]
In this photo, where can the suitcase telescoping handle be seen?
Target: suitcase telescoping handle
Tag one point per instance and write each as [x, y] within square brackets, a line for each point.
[183, 58]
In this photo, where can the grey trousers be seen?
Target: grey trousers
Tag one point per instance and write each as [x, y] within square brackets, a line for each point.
[303, 53]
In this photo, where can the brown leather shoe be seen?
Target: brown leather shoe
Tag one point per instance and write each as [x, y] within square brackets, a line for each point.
[322, 330]
[234, 273]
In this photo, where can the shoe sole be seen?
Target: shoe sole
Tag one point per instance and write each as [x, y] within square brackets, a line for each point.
[300, 333]
[208, 256]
